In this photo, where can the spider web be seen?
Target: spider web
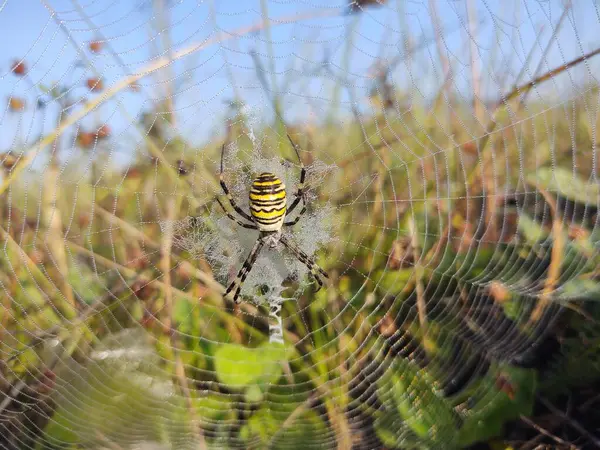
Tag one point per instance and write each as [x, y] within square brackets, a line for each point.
[218, 239]
[452, 200]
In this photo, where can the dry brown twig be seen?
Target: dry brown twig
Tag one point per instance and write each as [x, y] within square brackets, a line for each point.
[572, 422]
[547, 433]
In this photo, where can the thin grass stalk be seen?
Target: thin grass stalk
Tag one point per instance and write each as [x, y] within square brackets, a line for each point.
[438, 32]
[234, 87]
[187, 395]
[556, 259]
[345, 66]
[340, 424]
[489, 177]
[543, 59]
[165, 262]
[570, 421]
[421, 302]
[279, 119]
[474, 54]
[52, 222]
[162, 13]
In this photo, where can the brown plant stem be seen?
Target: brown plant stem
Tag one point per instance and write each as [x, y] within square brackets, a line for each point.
[52, 222]
[546, 432]
[187, 394]
[439, 41]
[556, 259]
[572, 422]
[165, 262]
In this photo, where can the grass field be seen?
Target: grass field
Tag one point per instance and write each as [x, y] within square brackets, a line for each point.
[461, 305]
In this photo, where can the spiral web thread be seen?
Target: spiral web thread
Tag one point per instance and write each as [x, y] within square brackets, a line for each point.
[454, 213]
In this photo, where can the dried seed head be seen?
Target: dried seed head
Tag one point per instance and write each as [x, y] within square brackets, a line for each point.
[16, 104]
[103, 132]
[8, 160]
[95, 84]
[95, 46]
[19, 68]
[85, 139]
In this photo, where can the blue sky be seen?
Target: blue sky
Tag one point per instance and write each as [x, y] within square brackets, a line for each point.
[212, 76]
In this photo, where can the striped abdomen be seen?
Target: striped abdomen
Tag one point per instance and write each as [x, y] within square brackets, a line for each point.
[268, 202]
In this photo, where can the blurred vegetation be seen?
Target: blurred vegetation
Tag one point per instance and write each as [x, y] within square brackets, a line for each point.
[460, 312]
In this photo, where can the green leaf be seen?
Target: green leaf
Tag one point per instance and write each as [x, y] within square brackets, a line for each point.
[581, 288]
[500, 403]
[531, 230]
[513, 308]
[387, 429]
[254, 394]
[214, 407]
[568, 185]
[534, 233]
[33, 296]
[421, 407]
[393, 281]
[306, 430]
[183, 311]
[239, 366]
[393, 434]
[59, 429]
[86, 284]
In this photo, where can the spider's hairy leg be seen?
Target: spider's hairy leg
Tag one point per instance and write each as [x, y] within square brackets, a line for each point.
[300, 191]
[245, 270]
[315, 270]
[235, 219]
[295, 221]
[232, 202]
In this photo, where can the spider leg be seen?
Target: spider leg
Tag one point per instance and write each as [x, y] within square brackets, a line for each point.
[235, 219]
[238, 282]
[232, 202]
[295, 221]
[300, 192]
[315, 270]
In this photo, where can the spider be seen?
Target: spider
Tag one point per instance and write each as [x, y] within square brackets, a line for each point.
[268, 210]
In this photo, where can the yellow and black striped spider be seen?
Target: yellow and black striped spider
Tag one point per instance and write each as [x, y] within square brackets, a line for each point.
[268, 210]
